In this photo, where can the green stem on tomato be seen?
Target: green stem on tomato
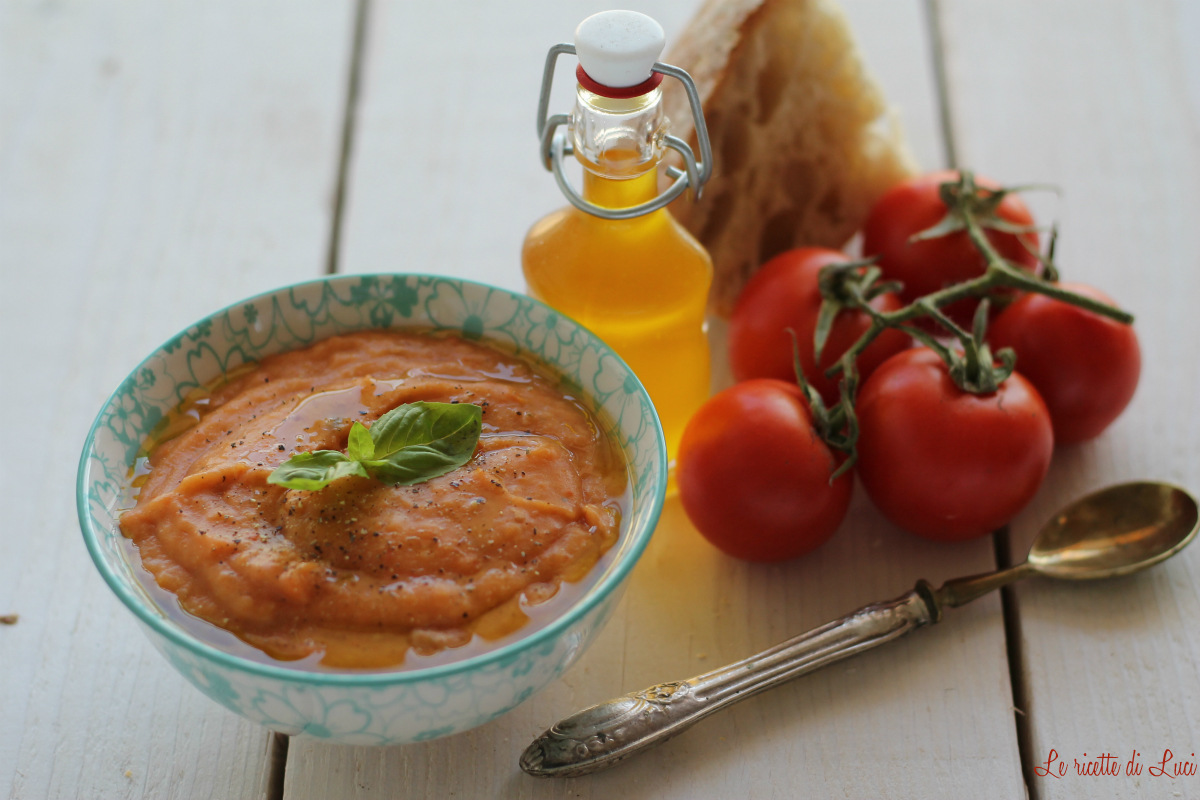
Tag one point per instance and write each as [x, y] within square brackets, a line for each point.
[975, 369]
[999, 274]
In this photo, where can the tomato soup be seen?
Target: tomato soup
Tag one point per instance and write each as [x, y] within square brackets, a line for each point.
[361, 574]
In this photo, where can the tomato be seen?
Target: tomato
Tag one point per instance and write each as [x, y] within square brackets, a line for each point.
[933, 264]
[754, 477]
[1084, 365]
[943, 463]
[784, 294]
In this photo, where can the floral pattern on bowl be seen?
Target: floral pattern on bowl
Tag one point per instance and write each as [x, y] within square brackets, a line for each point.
[376, 708]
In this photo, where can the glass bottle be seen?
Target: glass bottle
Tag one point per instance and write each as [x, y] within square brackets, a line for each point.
[640, 284]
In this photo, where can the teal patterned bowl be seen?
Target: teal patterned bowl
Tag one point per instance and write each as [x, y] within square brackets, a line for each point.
[376, 708]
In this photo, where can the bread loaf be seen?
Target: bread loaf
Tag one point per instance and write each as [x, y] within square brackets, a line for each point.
[803, 140]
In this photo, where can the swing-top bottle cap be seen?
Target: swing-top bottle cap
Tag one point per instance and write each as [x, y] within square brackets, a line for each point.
[617, 49]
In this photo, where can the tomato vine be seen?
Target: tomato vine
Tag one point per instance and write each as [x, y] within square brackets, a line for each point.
[973, 367]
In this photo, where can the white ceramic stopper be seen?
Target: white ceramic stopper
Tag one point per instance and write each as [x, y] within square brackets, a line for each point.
[618, 48]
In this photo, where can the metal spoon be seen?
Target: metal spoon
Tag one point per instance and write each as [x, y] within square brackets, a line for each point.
[1116, 531]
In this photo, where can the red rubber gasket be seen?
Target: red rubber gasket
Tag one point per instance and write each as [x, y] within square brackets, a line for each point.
[618, 93]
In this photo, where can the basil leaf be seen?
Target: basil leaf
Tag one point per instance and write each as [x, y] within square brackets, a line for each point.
[410, 444]
[420, 441]
[424, 423]
[417, 464]
[313, 471]
[360, 447]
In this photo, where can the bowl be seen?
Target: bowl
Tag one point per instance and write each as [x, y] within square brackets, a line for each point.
[375, 708]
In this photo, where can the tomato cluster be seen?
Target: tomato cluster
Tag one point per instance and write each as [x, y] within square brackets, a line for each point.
[941, 458]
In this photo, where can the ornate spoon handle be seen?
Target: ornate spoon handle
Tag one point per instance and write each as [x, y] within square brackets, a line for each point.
[605, 734]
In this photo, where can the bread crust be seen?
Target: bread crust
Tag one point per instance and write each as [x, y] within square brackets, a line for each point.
[803, 139]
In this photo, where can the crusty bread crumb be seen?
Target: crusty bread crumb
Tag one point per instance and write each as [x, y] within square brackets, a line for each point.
[803, 140]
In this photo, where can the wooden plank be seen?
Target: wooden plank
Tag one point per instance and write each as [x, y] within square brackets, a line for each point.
[156, 162]
[445, 179]
[1103, 98]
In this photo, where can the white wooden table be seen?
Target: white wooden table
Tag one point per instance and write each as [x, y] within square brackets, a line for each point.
[158, 161]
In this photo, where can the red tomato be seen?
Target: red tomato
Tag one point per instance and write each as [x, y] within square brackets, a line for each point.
[784, 294]
[933, 264]
[754, 477]
[943, 463]
[1084, 365]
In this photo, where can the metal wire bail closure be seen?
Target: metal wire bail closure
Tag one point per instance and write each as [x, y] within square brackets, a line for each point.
[554, 146]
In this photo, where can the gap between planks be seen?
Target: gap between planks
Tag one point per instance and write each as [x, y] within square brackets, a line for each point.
[362, 10]
[1016, 662]
[278, 765]
[1000, 539]
[362, 13]
[937, 52]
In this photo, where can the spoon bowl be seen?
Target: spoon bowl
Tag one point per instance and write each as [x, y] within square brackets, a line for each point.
[1116, 531]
